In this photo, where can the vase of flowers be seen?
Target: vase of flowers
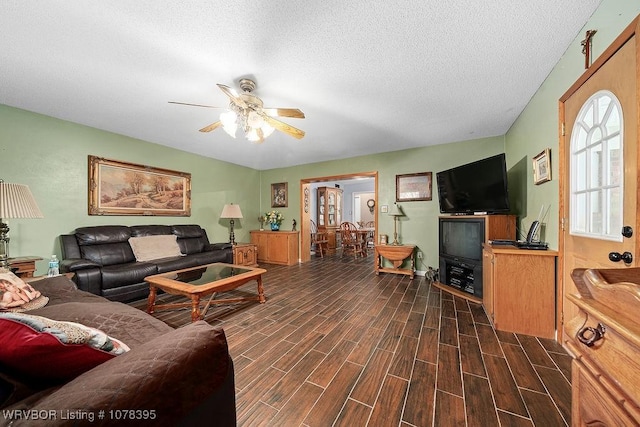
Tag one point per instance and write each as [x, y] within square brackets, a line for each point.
[274, 219]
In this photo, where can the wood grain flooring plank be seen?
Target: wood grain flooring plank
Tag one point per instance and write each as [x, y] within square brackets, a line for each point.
[466, 325]
[282, 391]
[297, 408]
[297, 352]
[419, 406]
[449, 375]
[448, 331]
[525, 375]
[535, 352]
[512, 420]
[449, 410]
[366, 346]
[489, 344]
[368, 385]
[432, 318]
[250, 396]
[329, 405]
[388, 408]
[506, 395]
[353, 414]
[543, 411]
[402, 363]
[391, 336]
[428, 345]
[470, 356]
[325, 371]
[479, 408]
[413, 325]
[558, 388]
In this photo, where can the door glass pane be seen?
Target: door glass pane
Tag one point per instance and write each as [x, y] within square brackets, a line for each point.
[596, 168]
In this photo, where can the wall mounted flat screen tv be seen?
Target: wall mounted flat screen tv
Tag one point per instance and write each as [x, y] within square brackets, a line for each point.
[477, 187]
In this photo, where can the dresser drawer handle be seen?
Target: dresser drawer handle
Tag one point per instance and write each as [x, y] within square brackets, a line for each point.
[588, 335]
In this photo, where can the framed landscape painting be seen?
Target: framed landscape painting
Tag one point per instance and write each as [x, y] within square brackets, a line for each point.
[120, 188]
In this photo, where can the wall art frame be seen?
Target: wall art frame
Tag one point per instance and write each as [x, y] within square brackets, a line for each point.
[280, 195]
[413, 187]
[542, 167]
[122, 188]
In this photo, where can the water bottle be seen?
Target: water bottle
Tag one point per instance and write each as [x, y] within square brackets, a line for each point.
[54, 266]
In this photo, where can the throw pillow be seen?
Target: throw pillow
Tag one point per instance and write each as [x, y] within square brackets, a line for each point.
[148, 248]
[16, 295]
[47, 351]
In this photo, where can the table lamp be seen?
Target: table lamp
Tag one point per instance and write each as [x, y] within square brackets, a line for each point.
[232, 212]
[16, 201]
[395, 212]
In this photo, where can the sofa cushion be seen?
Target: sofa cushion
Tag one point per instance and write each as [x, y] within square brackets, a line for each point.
[108, 253]
[16, 295]
[149, 230]
[33, 345]
[114, 276]
[149, 248]
[116, 319]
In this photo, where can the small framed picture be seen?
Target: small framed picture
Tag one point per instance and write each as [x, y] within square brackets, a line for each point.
[279, 195]
[413, 187]
[384, 208]
[542, 167]
[383, 239]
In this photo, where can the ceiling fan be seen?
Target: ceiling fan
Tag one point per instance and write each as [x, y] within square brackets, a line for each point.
[247, 112]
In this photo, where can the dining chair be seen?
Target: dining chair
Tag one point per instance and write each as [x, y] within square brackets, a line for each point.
[350, 240]
[319, 240]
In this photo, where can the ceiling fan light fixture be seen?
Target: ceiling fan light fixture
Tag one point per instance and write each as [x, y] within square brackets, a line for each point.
[229, 122]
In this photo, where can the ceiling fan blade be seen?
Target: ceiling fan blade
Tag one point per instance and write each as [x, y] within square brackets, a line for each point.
[212, 126]
[193, 105]
[284, 112]
[283, 127]
[233, 95]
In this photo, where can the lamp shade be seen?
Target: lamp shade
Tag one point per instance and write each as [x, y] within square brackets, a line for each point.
[395, 210]
[231, 211]
[16, 201]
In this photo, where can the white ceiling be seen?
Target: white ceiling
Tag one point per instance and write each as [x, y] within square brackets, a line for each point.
[370, 75]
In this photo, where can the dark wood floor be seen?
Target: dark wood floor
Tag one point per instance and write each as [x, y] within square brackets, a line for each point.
[337, 345]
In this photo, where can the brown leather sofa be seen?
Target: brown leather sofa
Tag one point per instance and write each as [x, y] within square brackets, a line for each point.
[104, 264]
[180, 377]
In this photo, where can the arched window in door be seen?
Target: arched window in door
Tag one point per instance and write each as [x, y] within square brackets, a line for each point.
[597, 172]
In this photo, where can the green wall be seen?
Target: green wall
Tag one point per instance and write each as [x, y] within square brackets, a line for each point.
[537, 126]
[419, 226]
[50, 156]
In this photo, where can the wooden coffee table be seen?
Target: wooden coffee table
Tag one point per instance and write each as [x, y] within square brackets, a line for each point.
[197, 282]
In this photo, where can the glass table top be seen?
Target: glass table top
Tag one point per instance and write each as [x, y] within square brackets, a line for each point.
[208, 274]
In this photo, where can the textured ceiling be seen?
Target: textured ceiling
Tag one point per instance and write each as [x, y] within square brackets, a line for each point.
[371, 76]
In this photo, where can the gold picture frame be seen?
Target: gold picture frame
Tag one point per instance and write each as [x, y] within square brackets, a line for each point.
[279, 195]
[121, 188]
[542, 167]
[414, 187]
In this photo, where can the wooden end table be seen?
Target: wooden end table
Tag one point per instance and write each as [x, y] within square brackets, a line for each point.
[204, 280]
[23, 266]
[397, 254]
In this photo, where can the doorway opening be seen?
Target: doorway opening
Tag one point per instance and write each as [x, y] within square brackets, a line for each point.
[308, 204]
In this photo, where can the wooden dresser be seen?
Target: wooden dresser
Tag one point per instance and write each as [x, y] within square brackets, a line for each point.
[604, 340]
[277, 247]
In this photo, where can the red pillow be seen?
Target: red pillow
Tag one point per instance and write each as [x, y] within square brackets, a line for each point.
[42, 357]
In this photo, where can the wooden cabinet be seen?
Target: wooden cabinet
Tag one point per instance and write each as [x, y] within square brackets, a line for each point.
[604, 340]
[460, 250]
[245, 254]
[329, 203]
[520, 289]
[23, 266]
[276, 247]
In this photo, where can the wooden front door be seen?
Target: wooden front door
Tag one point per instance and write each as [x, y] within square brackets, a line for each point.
[598, 151]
